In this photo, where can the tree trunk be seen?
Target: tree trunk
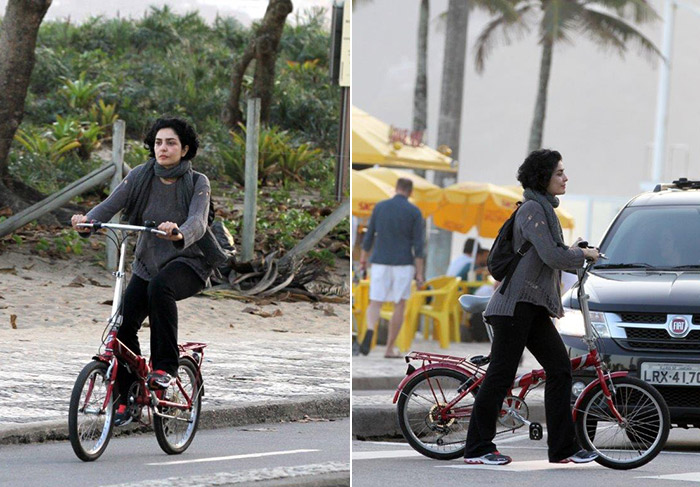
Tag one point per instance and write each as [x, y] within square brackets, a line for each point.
[263, 48]
[420, 93]
[537, 128]
[20, 27]
[18, 35]
[452, 88]
[450, 119]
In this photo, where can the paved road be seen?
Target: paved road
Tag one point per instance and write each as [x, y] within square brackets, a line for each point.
[294, 452]
[384, 463]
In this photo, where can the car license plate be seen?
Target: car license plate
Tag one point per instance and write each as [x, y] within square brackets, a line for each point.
[671, 374]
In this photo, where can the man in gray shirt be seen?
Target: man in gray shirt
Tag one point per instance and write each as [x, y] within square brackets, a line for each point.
[396, 232]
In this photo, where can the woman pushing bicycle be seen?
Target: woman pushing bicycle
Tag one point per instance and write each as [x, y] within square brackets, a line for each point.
[521, 317]
[166, 268]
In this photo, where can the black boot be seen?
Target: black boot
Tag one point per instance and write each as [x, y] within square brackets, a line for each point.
[367, 342]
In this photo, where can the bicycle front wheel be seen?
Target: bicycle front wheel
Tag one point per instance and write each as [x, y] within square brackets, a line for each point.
[176, 429]
[90, 414]
[425, 423]
[638, 437]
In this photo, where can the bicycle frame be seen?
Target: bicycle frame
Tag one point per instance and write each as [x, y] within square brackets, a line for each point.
[525, 382]
[116, 351]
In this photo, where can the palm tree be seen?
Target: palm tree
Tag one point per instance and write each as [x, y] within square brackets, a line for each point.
[603, 21]
[451, 91]
[420, 92]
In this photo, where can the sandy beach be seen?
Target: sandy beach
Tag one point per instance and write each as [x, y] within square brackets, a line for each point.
[53, 314]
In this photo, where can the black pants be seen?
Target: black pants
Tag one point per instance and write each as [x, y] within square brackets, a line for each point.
[156, 299]
[530, 327]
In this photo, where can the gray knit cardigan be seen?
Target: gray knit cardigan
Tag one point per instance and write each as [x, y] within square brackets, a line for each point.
[537, 278]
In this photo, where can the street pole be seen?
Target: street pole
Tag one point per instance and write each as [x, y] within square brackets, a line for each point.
[663, 94]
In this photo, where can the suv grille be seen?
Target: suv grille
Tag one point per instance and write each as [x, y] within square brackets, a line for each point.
[659, 339]
[650, 318]
[679, 397]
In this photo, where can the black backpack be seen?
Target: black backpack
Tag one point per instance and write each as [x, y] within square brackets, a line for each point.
[503, 259]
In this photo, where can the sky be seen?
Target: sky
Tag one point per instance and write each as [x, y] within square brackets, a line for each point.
[244, 10]
[601, 108]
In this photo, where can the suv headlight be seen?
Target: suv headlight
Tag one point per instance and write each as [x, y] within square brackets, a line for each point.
[572, 323]
[600, 324]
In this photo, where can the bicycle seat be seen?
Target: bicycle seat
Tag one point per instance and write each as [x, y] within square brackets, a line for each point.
[473, 304]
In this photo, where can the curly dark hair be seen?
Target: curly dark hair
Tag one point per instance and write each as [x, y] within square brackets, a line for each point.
[185, 132]
[536, 170]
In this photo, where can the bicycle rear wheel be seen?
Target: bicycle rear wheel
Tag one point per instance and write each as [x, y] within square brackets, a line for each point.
[429, 430]
[632, 442]
[89, 424]
[176, 432]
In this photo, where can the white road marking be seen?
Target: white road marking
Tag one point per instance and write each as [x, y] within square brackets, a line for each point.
[233, 457]
[391, 443]
[302, 475]
[525, 466]
[375, 455]
[688, 477]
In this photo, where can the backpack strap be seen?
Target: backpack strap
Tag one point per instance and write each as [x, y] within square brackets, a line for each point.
[514, 264]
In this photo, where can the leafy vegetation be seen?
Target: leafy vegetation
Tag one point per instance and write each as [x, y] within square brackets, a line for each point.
[87, 75]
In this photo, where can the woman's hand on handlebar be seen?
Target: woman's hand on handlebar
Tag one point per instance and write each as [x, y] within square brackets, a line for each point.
[172, 230]
[591, 254]
[79, 218]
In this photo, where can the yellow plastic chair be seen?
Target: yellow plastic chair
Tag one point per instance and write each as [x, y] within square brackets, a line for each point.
[443, 291]
[409, 327]
[404, 338]
[360, 303]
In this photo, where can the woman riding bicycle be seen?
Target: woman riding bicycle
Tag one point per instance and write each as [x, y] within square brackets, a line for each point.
[521, 317]
[166, 268]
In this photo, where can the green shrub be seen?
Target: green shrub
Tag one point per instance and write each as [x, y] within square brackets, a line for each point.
[177, 65]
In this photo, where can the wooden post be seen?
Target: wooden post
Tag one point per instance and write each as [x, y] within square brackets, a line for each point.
[118, 135]
[251, 179]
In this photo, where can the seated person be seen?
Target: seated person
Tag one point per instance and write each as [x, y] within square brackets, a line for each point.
[462, 261]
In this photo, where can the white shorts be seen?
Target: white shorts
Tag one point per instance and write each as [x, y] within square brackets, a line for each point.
[390, 282]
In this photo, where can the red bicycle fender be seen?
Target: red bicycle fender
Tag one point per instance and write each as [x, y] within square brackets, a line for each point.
[424, 369]
[590, 386]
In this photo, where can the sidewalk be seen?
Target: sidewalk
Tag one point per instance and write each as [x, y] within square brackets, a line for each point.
[374, 382]
[292, 365]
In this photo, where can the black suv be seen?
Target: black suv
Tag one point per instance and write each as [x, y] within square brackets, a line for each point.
[645, 298]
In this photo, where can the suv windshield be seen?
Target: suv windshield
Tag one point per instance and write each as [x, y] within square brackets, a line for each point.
[653, 237]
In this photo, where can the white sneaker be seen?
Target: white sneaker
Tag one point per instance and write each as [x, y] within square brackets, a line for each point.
[494, 458]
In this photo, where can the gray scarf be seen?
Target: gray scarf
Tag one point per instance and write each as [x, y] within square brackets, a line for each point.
[548, 203]
[141, 188]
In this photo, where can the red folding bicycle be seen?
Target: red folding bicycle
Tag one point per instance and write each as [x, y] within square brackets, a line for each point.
[624, 419]
[174, 412]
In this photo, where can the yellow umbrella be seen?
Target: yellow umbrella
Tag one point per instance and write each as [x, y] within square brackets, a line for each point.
[469, 204]
[366, 192]
[371, 145]
[426, 195]
[565, 218]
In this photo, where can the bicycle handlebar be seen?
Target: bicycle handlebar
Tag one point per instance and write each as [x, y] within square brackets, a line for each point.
[118, 226]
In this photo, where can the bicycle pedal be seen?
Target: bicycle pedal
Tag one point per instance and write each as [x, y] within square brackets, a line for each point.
[535, 431]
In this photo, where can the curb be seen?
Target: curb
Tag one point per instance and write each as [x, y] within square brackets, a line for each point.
[332, 407]
[388, 383]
